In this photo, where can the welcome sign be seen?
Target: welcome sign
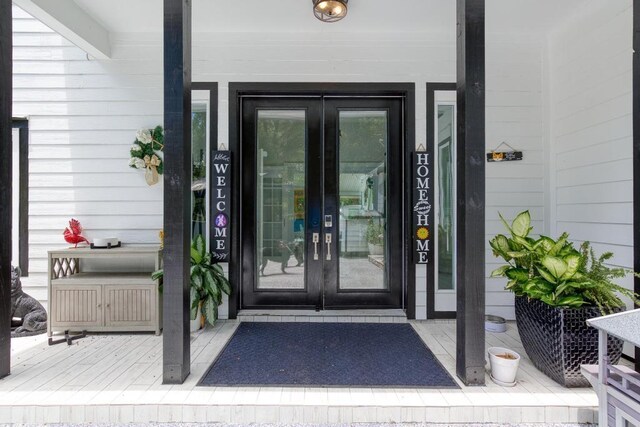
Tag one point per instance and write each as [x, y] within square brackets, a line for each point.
[422, 208]
[220, 194]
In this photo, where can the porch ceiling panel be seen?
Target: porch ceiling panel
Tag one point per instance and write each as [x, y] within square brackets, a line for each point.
[402, 16]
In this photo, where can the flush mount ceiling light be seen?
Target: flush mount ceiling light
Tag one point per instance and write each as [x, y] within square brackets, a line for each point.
[330, 10]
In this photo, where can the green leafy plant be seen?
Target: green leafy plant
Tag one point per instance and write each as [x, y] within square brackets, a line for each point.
[208, 282]
[374, 233]
[554, 272]
[199, 170]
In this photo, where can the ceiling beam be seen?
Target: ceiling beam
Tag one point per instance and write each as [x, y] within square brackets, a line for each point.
[67, 19]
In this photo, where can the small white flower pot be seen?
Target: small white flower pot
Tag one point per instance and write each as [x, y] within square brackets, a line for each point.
[504, 365]
[376, 249]
[196, 323]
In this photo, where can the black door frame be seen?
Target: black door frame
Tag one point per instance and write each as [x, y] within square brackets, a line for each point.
[212, 88]
[432, 88]
[238, 90]
[390, 297]
[22, 124]
[310, 296]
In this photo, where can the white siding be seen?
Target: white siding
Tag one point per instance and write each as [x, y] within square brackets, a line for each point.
[514, 115]
[591, 128]
[83, 116]
[84, 113]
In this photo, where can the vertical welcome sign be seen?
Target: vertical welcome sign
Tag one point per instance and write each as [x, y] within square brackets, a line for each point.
[422, 208]
[220, 198]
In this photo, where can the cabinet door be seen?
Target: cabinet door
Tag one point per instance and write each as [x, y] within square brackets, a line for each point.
[76, 307]
[131, 306]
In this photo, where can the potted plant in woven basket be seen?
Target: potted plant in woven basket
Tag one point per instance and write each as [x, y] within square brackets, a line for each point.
[558, 288]
[374, 235]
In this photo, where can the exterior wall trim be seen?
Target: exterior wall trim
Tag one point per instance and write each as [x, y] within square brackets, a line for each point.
[431, 146]
[212, 87]
[23, 216]
[636, 156]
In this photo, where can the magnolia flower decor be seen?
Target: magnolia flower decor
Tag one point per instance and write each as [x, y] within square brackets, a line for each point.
[146, 153]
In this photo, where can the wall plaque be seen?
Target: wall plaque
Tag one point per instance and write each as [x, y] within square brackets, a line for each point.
[504, 156]
[220, 194]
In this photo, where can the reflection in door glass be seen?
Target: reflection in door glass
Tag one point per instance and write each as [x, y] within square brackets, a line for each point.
[280, 189]
[198, 170]
[446, 198]
[362, 149]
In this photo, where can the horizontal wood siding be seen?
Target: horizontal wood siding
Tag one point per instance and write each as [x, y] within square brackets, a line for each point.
[591, 128]
[514, 115]
[84, 114]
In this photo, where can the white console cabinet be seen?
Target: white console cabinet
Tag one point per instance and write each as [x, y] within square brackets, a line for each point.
[106, 301]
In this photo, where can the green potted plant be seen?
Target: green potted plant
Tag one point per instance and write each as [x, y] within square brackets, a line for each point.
[208, 282]
[558, 288]
[375, 237]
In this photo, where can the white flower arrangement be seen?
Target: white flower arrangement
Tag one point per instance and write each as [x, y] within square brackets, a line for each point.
[146, 153]
[139, 163]
[144, 136]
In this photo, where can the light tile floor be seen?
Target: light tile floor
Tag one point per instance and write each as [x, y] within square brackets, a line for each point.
[117, 379]
[355, 273]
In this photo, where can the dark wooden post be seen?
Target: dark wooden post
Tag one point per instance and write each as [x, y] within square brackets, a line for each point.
[636, 155]
[471, 193]
[176, 357]
[6, 145]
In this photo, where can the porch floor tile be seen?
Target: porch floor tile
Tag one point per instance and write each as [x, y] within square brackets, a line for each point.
[117, 379]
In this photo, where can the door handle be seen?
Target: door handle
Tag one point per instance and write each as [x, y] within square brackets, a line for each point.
[327, 239]
[315, 237]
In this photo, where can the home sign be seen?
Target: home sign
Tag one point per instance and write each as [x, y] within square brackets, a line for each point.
[422, 211]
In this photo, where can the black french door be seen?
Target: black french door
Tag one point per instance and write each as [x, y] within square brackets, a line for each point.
[321, 214]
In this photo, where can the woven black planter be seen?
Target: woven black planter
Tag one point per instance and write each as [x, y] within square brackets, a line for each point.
[558, 340]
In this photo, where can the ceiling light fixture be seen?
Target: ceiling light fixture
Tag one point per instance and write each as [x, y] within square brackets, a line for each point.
[330, 10]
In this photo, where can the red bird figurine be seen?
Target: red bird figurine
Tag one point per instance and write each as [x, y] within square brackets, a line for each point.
[72, 233]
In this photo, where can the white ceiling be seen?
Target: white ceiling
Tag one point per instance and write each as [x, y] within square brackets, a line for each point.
[145, 16]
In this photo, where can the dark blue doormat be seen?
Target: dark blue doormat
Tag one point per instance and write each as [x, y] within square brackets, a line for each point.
[327, 354]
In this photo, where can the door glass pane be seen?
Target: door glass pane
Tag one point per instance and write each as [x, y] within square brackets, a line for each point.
[446, 202]
[15, 213]
[281, 206]
[362, 156]
[198, 169]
